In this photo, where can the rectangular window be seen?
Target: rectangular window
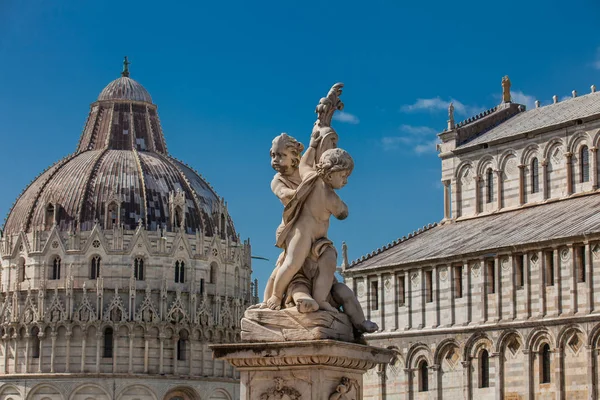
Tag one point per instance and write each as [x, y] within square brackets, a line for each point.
[374, 295]
[549, 270]
[428, 286]
[458, 282]
[491, 277]
[401, 293]
[519, 273]
[201, 285]
[580, 263]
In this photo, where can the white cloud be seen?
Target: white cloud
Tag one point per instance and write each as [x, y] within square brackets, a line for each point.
[346, 117]
[415, 138]
[437, 104]
[417, 130]
[427, 147]
[596, 62]
[519, 97]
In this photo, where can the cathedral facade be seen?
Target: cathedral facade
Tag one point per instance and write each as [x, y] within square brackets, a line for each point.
[120, 264]
[500, 299]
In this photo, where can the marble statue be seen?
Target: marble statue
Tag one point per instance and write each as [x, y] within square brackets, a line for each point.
[304, 274]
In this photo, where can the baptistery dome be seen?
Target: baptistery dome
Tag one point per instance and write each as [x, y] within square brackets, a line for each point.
[121, 174]
[120, 264]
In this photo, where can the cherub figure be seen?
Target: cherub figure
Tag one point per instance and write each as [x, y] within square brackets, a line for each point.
[306, 220]
[342, 390]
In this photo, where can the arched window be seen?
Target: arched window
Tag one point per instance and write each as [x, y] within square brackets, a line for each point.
[179, 271]
[484, 369]
[584, 166]
[213, 272]
[21, 270]
[490, 186]
[545, 363]
[108, 343]
[35, 342]
[178, 220]
[95, 267]
[535, 176]
[201, 285]
[49, 216]
[112, 215]
[55, 270]
[423, 376]
[182, 346]
[236, 282]
[138, 269]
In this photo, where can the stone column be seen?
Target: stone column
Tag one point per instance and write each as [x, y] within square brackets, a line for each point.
[161, 368]
[574, 288]
[542, 285]
[513, 286]
[408, 372]
[115, 352]
[522, 184]
[146, 354]
[175, 365]
[434, 372]
[527, 284]
[311, 369]
[16, 358]
[131, 339]
[68, 352]
[452, 296]
[545, 188]
[202, 358]
[381, 297]
[594, 162]
[558, 373]
[499, 188]
[467, 379]
[5, 342]
[27, 344]
[447, 206]
[589, 279]
[498, 287]
[408, 299]
[435, 288]
[397, 301]
[99, 336]
[557, 283]
[590, 372]
[83, 346]
[499, 386]
[53, 351]
[484, 303]
[467, 290]
[569, 165]
[40, 360]
[527, 375]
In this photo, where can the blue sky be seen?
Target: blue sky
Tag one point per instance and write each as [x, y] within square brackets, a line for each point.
[228, 76]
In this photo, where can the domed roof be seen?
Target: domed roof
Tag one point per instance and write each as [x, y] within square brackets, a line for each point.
[121, 174]
[125, 88]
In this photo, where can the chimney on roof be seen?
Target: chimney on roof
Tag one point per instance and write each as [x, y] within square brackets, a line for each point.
[593, 87]
[555, 99]
[506, 89]
[574, 93]
[537, 104]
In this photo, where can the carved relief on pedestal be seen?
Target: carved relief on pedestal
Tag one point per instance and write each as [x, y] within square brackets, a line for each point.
[280, 392]
[342, 391]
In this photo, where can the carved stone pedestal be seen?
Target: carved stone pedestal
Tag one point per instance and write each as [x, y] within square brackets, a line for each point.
[302, 370]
